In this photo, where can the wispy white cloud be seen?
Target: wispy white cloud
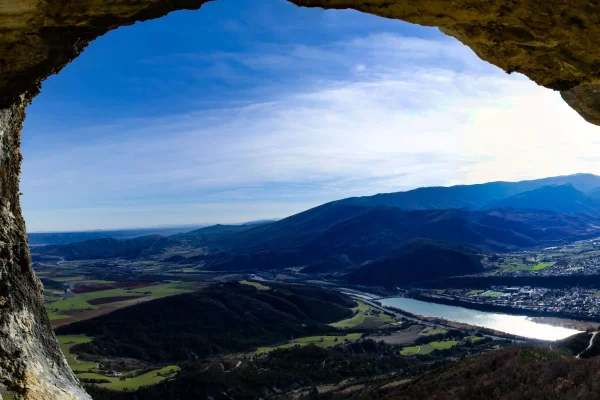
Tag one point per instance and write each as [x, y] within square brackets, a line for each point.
[374, 114]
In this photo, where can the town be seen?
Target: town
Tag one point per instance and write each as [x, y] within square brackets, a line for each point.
[578, 258]
[575, 302]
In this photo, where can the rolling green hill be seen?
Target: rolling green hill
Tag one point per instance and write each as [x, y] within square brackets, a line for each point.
[223, 318]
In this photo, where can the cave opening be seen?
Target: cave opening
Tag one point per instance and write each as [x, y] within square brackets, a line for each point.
[39, 41]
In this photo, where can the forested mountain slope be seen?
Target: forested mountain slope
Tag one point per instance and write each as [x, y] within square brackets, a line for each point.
[418, 260]
[472, 197]
[227, 317]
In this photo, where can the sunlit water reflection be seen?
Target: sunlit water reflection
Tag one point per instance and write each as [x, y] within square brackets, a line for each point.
[513, 324]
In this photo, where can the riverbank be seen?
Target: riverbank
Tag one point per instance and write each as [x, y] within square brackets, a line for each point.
[473, 329]
[555, 316]
[505, 324]
[567, 323]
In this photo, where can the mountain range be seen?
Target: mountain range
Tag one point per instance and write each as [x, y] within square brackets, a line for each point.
[473, 197]
[377, 232]
[562, 198]
[46, 238]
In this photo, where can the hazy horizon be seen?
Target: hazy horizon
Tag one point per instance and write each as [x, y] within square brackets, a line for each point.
[200, 224]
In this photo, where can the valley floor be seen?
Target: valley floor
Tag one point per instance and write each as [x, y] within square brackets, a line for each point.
[347, 344]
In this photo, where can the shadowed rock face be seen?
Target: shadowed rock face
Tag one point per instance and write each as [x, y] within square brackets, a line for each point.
[37, 39]
[585, 99]
[556, 43]
[31, 362]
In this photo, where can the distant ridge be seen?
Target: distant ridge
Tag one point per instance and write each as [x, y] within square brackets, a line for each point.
[109, 248]
[46, 238]
[341, 236]
[562, 198]
[472, 197]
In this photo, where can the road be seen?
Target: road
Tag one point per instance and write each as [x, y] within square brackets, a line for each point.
[361, 297]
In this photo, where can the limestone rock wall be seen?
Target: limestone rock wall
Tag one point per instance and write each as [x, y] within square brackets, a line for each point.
[31, 362]
[37, 39]
[553, 42]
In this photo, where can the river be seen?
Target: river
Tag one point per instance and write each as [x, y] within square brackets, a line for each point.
[514, 324]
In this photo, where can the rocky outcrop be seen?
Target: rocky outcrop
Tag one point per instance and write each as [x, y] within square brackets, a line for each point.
[31, 362]
[39, 37]
[553, 42]
[585, 99]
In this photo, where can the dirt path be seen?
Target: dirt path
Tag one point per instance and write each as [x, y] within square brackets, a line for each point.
[589, 345]
[404, 336]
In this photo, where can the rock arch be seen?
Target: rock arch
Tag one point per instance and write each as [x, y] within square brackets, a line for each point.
[553, 42]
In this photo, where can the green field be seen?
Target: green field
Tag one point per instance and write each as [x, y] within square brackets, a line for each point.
[516, 267]
[474, 339]
[90, 370]
[356, 320]
[93, 282]
[69, 278]
[474, 292]
[432, 331]
[524, 267]
[360, 316]
[322, 341]
[443, 345]
[428, 348]
[80, 301]
[66, 342]
[493, 294]
[540, 266]
[410, 351]
[256, 285]
[147, 379]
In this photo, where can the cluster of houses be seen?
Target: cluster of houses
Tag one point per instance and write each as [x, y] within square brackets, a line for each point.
[576, 301]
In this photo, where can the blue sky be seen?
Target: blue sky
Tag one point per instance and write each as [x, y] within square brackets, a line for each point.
[246, 110]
